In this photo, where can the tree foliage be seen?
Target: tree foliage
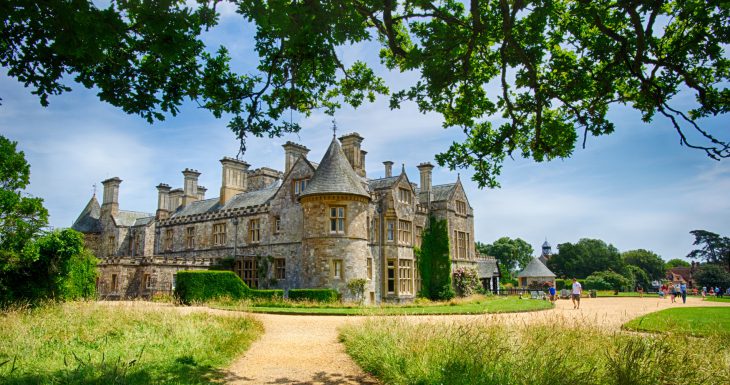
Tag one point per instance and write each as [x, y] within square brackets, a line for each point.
[713, 275]
[676, 262]
[510, 253]
[713, 248]
[434, 261]
[517, 77]
[585, 257]
[607, 280]
[648, 261]
[638, 277]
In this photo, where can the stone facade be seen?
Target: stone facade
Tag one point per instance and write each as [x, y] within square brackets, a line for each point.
[311, 226]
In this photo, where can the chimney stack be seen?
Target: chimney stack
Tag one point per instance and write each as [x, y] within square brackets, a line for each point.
[388, 168]
[190, 186]
[163, 201]
[425, 170]
[201, 192]
[110, 202]
[234, 178]
[175, 198]
[292, 152]
[351, 147]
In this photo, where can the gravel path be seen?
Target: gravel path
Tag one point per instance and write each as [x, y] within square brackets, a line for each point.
[304, 350]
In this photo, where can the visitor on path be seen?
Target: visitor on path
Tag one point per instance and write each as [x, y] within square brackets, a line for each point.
[663, 291]
[683, 290]
[640, 290]
[704, 292]
[717, 291]
[672, 292]
[552, 293]
[575, 294]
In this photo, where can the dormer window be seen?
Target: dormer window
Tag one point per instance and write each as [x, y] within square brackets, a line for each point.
[404, 195]
[299, 185]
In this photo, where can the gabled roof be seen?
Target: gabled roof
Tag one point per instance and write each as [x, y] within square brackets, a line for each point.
[487, 268]
[335, 175]
[129, 218]
[88, 220]
[442, 192]
[376, 184]
[535, 269]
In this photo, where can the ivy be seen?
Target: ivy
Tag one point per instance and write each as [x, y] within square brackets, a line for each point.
[434, 261]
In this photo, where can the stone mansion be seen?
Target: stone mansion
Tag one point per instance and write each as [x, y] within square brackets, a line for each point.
[314, 225]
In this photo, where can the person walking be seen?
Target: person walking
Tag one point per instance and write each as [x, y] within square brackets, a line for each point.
[552, 293]
[683, 290]
[672, 292]
[704, 292]
[717, 291]
[663, 291]
[575, 293]
[640, 290]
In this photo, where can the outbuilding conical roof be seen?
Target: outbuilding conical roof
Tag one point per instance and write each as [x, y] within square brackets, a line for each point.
[535, 269]
[335, 175]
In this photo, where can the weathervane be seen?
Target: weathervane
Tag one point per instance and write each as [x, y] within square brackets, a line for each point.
[94, 189]
[334, 128]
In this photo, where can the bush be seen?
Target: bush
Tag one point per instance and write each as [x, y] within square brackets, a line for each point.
[203, 285]
[316, 295]
[466, 281]
[265, 294]
[606, 280]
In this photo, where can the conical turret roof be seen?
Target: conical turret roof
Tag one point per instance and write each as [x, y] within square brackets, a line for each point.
[88, 220]
[335, 175]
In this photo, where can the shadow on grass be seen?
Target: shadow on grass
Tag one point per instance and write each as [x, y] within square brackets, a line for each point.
[175, 373]
[326, 379]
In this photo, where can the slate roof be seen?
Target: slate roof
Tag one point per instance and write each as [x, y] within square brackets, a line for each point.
[335, 175]
[442, 192]
[535, 269]
[376, 184]
[88, 220]
[129, 218]
[247, 199]
[487, 268]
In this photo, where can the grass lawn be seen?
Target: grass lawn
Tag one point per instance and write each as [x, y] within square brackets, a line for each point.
[485, 352]
[89, 343]
[473, 305]
[696, 321]
[715, 299]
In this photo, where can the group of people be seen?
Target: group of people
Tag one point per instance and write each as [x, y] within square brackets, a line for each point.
[575, 293]
[673, 291]
[713, 291]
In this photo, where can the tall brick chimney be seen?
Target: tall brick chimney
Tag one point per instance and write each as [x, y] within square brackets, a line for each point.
[426, 196]
[351, 147]
[110, 202]
[163, 201]
[234, 178]
[292, 152]
[388, 168]
[190, 186]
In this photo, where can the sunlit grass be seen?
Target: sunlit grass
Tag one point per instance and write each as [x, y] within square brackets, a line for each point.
[696, 321]
[93, 343]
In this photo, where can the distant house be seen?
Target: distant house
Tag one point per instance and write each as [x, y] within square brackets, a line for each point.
[679, 275]
[535, 274]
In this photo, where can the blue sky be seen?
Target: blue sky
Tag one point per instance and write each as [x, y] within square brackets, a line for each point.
[636, 188]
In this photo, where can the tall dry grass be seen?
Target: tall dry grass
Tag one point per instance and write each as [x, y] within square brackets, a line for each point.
[91, 343]
[488, 351]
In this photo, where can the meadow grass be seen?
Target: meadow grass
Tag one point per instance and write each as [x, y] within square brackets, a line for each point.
[695, 321]
[91, 343]
[716, 299]
[488, 351]
[477, 304]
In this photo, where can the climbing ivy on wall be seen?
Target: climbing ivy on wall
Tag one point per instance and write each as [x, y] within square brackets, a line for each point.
[434, 261]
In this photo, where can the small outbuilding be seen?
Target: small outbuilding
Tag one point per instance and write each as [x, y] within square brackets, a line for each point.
[535, 274]
[489, 273]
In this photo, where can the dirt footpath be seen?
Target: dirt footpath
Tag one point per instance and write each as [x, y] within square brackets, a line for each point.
[305, 350]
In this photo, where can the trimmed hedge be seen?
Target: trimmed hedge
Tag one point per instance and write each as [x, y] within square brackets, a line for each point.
[316, 295]
[265, 294]
[202, 285]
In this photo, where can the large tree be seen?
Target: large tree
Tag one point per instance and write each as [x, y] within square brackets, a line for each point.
[525, 78]
[511, 253]
[676, 262]
[712, 275]
[584, 258]
[647, 260]
[713, 248]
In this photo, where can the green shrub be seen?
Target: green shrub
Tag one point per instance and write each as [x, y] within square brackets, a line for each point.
[466, 281]
[316, 295]
[606, 280]
[561, 284]
[265, 294]
[202, 285]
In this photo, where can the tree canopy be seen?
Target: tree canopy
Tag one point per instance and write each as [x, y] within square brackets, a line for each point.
[585, 257]
[511, 253]
[648, 261]
[713, 248]
[676, 262]
[525, 78]
[712, 275]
